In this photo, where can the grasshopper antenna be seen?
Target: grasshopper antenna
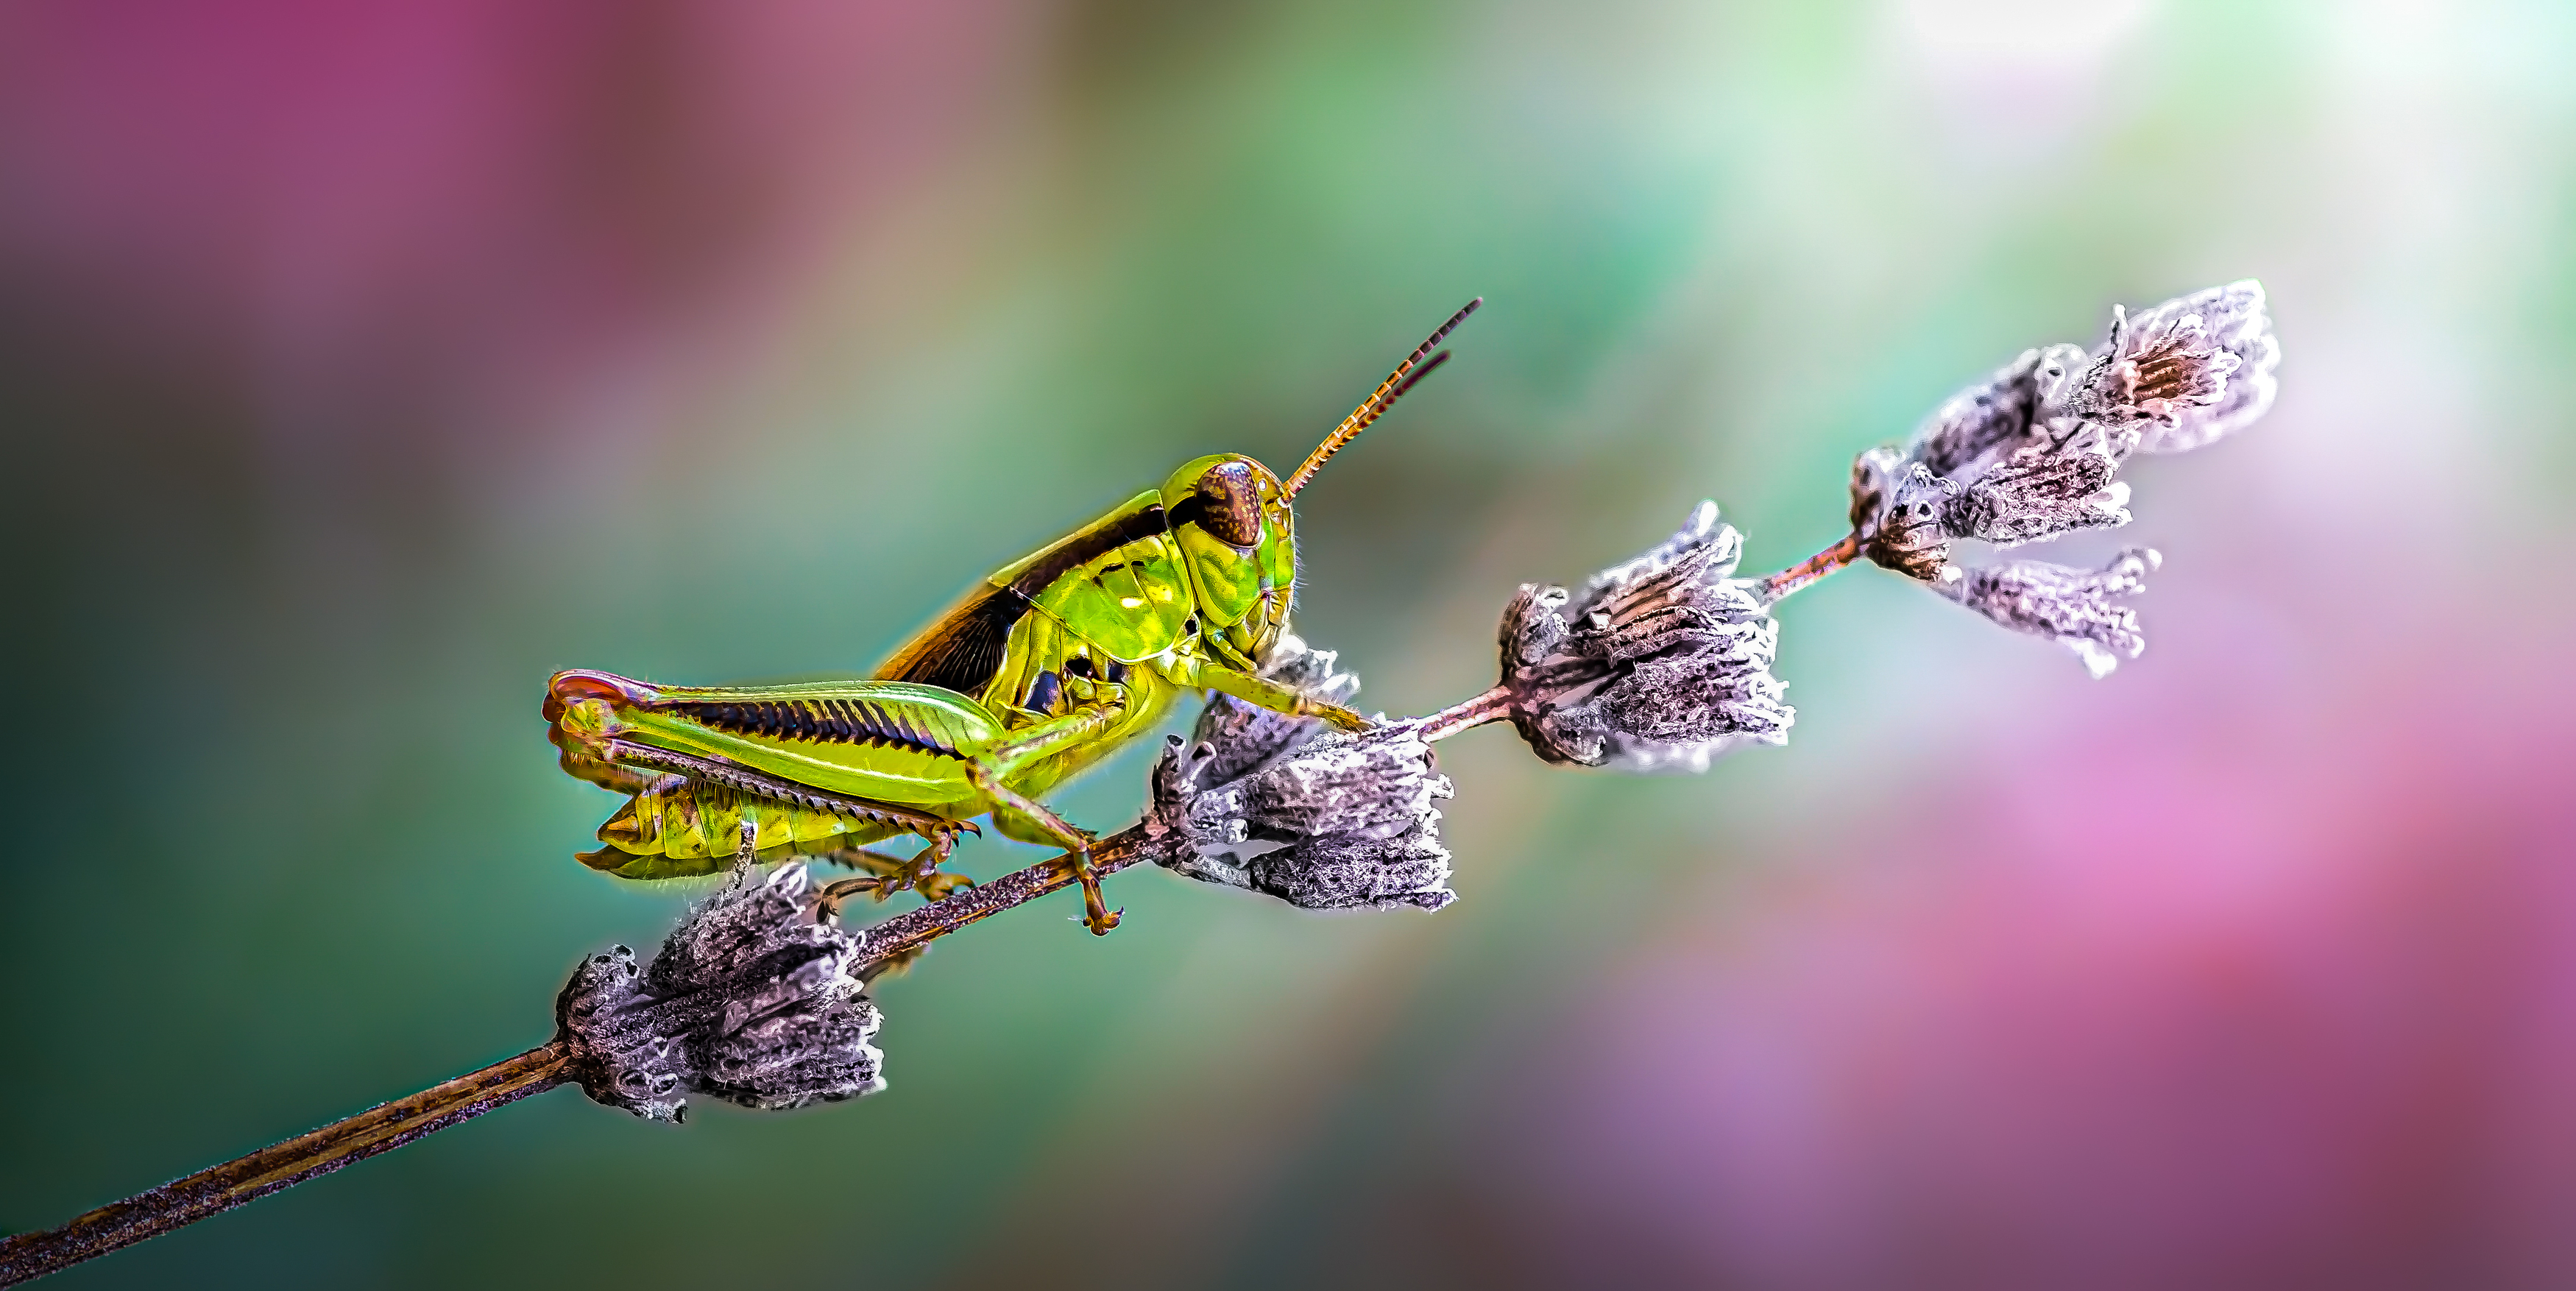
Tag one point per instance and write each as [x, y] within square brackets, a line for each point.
[1413, 369]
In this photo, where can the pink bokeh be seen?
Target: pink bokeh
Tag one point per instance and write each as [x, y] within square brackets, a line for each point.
[2205, 995]
[479, 204]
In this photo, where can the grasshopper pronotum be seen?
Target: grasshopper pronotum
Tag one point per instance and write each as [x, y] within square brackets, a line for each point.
[1045, 669]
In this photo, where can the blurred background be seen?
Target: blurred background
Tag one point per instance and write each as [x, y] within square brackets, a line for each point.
[362, 365]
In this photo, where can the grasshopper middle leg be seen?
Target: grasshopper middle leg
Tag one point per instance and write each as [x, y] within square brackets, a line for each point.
[884, 875]
[1096, 914]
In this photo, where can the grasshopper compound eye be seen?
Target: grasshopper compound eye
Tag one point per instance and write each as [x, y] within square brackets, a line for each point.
[1229, 504]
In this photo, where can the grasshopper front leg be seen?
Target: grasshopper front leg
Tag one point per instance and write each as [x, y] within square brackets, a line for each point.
[1274, 696]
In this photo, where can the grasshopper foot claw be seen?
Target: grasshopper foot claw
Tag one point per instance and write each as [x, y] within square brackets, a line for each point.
[837, 893]
[938, 886]
[1096, 914]
[1338, 716]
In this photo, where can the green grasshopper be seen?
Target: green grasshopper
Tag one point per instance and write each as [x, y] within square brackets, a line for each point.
[1046, 669]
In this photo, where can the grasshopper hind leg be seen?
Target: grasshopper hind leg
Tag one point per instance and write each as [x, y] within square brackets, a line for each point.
[670, 825]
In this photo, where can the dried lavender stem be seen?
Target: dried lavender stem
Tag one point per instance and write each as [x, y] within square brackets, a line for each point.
[1807, 571]
[918, 927]
[1492, 706]
[213, 1191]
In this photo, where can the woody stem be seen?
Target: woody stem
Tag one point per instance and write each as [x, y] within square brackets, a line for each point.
[1813, 568]
[306, 1156]
[918, 927]
[1492, 706]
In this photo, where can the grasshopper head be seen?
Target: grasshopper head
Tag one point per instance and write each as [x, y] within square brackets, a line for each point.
[1230, 517]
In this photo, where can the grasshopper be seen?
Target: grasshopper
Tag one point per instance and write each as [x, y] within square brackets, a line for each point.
[1042, 671]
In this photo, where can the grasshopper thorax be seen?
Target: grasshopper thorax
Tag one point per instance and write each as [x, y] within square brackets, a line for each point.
[1230, 518]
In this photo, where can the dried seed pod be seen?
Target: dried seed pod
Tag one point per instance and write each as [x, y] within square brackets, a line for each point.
[2073, 607]
[2034, 496]
[1323, 819]
[1662, 662]
[1994, 417]
[623, 1053]
[1350, 871]
[751, 1000]
[2030, 454]
[1899, 513]
[2185, 372]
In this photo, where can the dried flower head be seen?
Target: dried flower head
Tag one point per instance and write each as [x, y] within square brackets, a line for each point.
[1900, 510]
[2183, 373]
[2031, 454]
[751, 1000]
[1995, 415]
[1323, 819]
[2073, 607]
[1663, 662]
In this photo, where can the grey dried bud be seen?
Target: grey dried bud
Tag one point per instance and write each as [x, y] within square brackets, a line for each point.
[1994, 417]
[2073, 607]
[1323, 819]
[1900, 512]
[1661, 663]
[2036, 495]
[751, 1000]
[1354, 871]
[2183, 373]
